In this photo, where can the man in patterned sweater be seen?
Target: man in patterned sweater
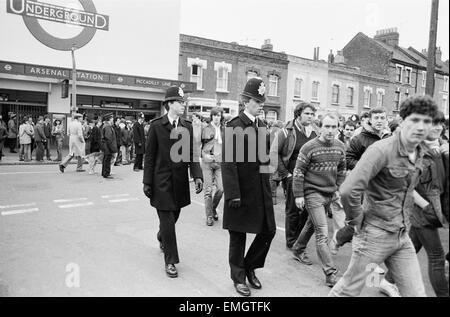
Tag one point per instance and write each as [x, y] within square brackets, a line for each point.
[319, 171]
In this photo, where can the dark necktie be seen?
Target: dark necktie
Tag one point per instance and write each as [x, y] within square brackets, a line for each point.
[174, 124]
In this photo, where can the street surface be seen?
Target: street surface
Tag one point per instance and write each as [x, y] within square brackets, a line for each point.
[54, 225]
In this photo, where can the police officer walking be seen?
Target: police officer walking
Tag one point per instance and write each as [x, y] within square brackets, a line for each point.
[248, 197]
[109, 144]
[166, 180]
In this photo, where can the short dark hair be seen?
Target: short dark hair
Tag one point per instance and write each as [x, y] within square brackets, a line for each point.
[350, 124]
[393, 125]
[196, 114]
[301, 107]
[424, 105]
[215, 111]
[365, 114]
[376, 110]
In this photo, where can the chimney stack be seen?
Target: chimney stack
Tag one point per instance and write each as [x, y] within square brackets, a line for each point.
[267, 46]
[339, 59]
[389, 36]
[316, 54]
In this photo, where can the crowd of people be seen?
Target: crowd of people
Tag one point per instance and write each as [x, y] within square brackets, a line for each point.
[383, 183]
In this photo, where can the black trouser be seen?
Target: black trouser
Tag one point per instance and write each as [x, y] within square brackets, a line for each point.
[167, 234]
[138, 161]
[40, 146]
[295, 218]
[106, 163]
[12, 144]
[255, 257]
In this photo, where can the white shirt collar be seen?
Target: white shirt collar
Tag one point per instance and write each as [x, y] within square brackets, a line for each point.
[171, 119]
[251, 117]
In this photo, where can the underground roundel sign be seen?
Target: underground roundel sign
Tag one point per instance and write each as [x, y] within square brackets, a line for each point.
[88, 18]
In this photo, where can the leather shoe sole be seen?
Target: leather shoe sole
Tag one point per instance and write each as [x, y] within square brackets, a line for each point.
[242, 289]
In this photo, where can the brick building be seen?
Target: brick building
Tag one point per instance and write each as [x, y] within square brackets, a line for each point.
[404, 68]
[307, 80]
[222, 69]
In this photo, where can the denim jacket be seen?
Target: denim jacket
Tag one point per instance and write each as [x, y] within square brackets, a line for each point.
[387, 178]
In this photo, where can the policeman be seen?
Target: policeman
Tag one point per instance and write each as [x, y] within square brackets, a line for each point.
[109, 143]
[166, 181]
[248, 197]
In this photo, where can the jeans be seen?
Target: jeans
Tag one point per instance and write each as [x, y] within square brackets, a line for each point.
[295, 219]
[59, 145]
[317, 223]
[69, 157]
[25, 152]
[373, 246]
[212, 175]
[430, 240]
[47, 149]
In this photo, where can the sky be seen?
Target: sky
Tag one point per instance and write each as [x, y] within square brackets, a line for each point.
[297, 26]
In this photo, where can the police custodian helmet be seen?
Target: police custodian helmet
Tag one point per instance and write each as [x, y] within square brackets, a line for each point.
[174, 93]
[255, 89]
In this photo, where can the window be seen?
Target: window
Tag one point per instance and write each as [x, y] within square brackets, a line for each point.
[350, 95]
[251, 74]
[406, 94]
[298, 88]
[445, 105]
[335, 94]
[315, 91]
[367, 97]
[445, 84]
[408, 72]
[222, 79]
[399, 74]
[271, 116]
[380, 97]
[273, 85]
[424, 79]
[397, 101]
[196, 75]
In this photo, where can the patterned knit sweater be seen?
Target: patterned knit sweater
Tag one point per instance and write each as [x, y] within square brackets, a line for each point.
[320, 168]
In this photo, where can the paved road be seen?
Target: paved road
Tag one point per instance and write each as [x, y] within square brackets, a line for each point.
[54, 225]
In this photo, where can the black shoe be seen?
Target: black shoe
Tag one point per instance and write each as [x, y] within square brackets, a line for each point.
[253, 280]
[81, 170]
[331, 279]
[302, 258]
[242, 289]
[171, 270]
[108, 177]
[12, 151]
[61, 168]
[136, 169]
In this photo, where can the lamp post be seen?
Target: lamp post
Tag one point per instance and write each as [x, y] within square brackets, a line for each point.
[431, 63]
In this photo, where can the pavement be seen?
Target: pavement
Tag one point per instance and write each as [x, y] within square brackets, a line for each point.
[13, 158]
[75, 234]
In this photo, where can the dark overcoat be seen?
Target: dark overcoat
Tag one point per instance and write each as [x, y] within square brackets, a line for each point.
[169, 180]
[243, 179]
[109, 139]
[139, 138]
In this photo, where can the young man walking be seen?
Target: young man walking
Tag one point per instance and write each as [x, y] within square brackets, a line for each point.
[211, 160]
[387, 174]
[290, 140]
[318, 173]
